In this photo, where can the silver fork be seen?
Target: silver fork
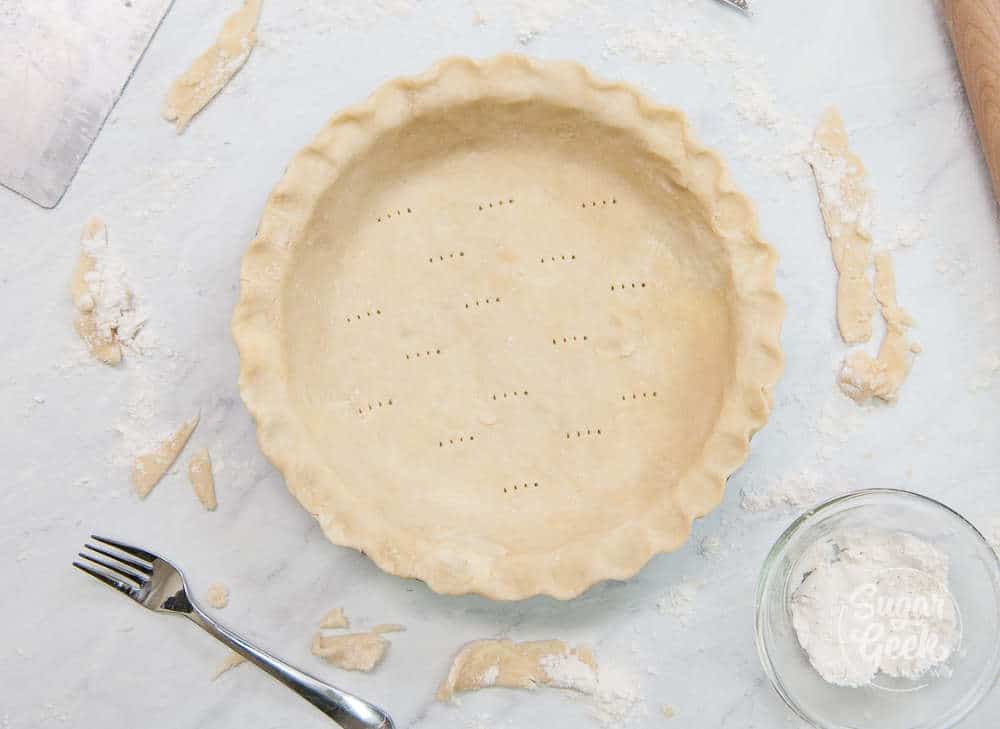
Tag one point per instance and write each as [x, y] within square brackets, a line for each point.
[743, 5]
[158, 585]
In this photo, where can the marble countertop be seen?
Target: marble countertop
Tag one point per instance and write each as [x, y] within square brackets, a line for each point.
[180, 211]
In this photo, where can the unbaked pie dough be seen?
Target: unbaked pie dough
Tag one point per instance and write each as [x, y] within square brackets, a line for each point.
[211, 71]
[508, 328]
[863, 377]
[217, 595]
[149, 468]
[351, 651]
[106, 315]
[506, 664]
[845, 201]
[230, 662]
[334, 620]
[202, 480]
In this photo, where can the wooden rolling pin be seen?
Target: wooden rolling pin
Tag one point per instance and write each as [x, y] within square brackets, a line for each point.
[975, 32]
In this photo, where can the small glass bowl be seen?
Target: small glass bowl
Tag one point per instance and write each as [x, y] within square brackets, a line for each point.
[935, 701]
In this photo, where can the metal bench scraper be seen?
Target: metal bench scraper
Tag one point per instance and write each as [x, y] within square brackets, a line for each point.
[63, 65]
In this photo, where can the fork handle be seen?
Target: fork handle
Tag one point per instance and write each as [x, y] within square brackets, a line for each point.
[349, 711]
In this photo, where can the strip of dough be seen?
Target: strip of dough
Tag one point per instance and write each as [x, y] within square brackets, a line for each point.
[232, 661]
[504, 663]
[863, 377]
[211, 71]
[149, 468]
[200, 475]
[102, 342]
[846, 206]
[353, 651]
[388, 628]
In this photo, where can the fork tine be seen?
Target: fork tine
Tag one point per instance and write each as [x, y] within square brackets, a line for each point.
[127, 548]
[118, 569]
[133, 563]
[106, 579]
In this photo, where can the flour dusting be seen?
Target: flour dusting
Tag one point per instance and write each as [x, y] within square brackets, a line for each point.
[108, 314]
[529, 18]
[909, 231]
[669, 37]
[679, 600]
[567, 671]
[109, 295]
[319, 17]
[986, 373]
[711, 547]
[490, 675]
[614, 695]
[790, 490]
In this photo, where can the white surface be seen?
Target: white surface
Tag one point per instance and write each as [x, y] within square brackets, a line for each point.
[181, 210]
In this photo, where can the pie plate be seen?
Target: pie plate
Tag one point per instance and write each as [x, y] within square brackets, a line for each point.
[507, 328]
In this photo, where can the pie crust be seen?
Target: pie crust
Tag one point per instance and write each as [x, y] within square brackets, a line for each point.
[507, 328]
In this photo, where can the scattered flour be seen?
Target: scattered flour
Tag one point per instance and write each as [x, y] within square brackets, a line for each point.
[491, 675]
[668, 37]
[987, 372]
[909, 231]
[115, 318]
[108, 316]
[529, 18]
[320, 17]
[807, 483]
[567, 671]
[614, 695]
[110, 297]
[874, 602]
[711, 547]
[679, 600]
[793, 489]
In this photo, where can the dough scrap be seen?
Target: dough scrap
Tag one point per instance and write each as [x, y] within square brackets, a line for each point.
[104, 303]
[217, 595]
[353, 651]
[211, 71]
[200, 475]
[506, 664]
[863, 377]
[845, 202]
[232, 661]
[335, 619]
[388, 628]
[150, 467]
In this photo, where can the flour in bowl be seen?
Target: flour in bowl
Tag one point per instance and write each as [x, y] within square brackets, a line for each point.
[874, 602]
